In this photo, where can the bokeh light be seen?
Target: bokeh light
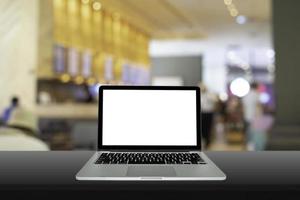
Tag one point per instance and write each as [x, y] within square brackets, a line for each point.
[239, 87]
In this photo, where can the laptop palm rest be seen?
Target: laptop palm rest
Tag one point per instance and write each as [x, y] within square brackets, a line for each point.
[154, 171]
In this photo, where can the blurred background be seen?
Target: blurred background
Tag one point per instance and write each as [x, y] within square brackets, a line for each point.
[243, 54]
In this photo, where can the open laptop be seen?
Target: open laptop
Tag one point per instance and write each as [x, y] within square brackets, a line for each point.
[149, 133]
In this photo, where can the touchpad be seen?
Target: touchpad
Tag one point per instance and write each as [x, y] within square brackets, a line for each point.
[164, 171]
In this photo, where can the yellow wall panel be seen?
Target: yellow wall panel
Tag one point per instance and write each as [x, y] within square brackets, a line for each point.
[89, 28]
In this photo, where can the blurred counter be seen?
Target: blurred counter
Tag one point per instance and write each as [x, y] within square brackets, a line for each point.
[68, 111]
[67, 126]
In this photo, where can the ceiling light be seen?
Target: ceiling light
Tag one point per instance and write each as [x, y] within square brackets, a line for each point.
[231, 7]
[85, 1]
[234, 12]
[241, 19]
[97, 6]
[228, 2]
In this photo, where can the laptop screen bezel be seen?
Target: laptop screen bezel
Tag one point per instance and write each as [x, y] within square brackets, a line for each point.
[127, 147]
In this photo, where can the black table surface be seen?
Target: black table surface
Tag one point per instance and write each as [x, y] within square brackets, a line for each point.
[55, 170]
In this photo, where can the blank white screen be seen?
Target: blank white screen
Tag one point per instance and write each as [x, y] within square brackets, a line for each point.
[149, 117]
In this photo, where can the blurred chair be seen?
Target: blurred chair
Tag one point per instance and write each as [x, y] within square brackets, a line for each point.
[21, 133]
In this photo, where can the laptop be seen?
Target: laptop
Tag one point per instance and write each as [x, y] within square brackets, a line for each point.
[149, 133]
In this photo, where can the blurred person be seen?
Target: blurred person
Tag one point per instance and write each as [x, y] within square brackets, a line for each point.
[14, 103]
[259, 129]
[220, 121]
[234, 114]
[20, 133]
[89, 97]
[251, 103]
[252, 108]
[208, 105]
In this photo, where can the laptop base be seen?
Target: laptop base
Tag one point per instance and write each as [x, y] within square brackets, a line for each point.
[156, 172]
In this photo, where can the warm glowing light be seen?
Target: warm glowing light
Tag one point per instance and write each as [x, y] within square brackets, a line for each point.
[91, 81]
[97, 6]
[79, 80]
[240, 87]
[85, 1]
[228, 2]
[65, 78]
[231, 7]
[234, 12]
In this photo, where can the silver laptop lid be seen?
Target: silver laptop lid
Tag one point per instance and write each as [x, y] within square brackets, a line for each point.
[149, 118]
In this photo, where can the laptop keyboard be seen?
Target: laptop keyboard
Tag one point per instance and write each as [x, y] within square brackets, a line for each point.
[150, 158]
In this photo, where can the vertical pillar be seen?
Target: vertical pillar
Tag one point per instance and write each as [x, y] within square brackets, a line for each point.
[286, 30]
